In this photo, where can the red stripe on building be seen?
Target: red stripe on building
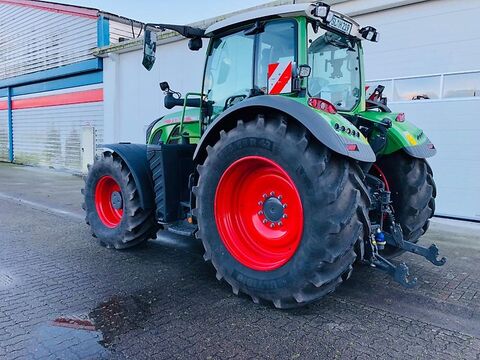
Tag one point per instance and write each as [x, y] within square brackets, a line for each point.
[56, 8]
[283, 81]
[79, 97]
[3, 105]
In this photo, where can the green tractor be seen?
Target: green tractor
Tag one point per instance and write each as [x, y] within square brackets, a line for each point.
[281, 166]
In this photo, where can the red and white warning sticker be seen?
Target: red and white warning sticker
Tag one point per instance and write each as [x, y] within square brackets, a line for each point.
[280, 77]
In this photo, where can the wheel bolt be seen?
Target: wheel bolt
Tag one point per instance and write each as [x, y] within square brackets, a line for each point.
[284, 216]
[260, 203]
[272, 193]
[272, 225]
[279, 223]
[280, 197]
[284, 206]
[260, 212]
[265, 196]
[264, 221]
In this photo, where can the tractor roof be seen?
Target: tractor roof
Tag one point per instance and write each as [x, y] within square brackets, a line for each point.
[305, 9]
[265, 13]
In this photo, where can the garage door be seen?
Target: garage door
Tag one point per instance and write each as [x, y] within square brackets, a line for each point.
[428, 59]
[3, 130]
[47, 127]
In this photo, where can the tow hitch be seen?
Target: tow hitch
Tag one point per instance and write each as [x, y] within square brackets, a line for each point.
[393, 236]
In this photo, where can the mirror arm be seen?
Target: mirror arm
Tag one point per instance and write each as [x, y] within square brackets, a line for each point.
[186, 31]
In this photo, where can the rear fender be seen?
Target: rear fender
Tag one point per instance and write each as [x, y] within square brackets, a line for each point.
[403, 136]
[318, 125]
[135, 157]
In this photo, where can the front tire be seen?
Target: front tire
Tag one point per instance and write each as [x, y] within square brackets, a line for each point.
[279, 214]
[413, 190]
[112, 205]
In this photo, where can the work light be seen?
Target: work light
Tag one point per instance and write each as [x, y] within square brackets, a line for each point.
[321, 10]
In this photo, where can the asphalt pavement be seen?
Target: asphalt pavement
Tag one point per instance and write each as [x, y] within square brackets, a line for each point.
[62, 296]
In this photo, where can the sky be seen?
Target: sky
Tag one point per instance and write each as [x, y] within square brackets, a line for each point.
[167, 11]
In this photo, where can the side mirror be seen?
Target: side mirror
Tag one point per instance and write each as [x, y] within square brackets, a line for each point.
[149, 49]
[370, 33]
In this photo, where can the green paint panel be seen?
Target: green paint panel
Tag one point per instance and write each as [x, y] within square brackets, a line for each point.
[400, 135]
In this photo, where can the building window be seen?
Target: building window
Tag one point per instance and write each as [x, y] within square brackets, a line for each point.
[421, 88]
[461, 85]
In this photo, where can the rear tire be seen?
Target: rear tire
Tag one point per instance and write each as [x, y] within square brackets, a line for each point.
[333, 214]
[413, 195]
[120, 223]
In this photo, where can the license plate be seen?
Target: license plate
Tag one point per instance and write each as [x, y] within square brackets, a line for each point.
[341, 25]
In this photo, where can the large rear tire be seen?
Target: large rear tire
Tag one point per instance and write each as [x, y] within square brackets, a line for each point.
[279, 214]
[112, 205]
[413, 194]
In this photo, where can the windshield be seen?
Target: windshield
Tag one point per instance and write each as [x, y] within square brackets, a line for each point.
[335, 64]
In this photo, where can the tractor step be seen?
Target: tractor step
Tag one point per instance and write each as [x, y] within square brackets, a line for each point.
[183, 228]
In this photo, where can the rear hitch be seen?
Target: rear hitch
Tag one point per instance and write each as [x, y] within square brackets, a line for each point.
[400, 273]
[395, 238]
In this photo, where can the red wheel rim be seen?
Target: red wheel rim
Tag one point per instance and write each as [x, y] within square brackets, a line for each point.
[259, 213]
[106, 189]
[376, 171]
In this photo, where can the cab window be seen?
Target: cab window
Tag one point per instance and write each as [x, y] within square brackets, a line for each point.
[275, 45]
[229, 69]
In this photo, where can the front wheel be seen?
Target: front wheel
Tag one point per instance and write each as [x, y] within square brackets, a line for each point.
[410, 180]
[112, 205]
[279, 214]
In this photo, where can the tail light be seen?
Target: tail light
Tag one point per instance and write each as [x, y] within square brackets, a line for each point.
[352, 147]
[400, 117]
[323, 105]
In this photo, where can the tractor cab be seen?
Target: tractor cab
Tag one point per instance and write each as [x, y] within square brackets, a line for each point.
[309, 51]
[304, 51]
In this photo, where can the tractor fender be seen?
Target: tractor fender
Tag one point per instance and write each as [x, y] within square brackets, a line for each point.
[412, 141]
[135, 156]
[312, 120]
[422, 151]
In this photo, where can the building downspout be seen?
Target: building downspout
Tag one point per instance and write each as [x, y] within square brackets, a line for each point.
[10, 124]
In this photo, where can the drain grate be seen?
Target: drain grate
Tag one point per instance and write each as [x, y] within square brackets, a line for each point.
[5, 280]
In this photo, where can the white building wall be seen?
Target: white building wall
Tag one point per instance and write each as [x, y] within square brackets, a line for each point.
[132, 96]
[430, 37]
[435, 38]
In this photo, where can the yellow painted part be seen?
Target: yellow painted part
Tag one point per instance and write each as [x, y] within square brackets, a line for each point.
[410, 138]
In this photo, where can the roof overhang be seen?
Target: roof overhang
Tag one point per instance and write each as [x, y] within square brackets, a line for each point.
[55, 7]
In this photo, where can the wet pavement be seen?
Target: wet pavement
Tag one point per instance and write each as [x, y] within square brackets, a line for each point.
[64, 297]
